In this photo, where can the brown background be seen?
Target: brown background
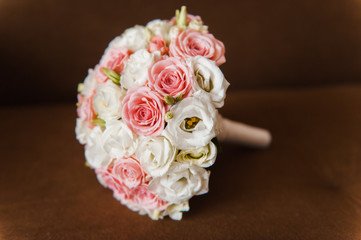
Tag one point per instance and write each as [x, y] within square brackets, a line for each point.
[294, 68]
[47, 45]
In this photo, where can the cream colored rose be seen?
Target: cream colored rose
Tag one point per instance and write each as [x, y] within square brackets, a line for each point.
[135, 71]
[202, 156]
[193, 123]
[209, 78]
[155, 155]
[95, 154]
[107, 102]
[197, 25]
[175, 211]
[118, 140]
[174, 31]
[132, 38]
[89, 85]
[180, 183]
[160, 28]
[82, 131]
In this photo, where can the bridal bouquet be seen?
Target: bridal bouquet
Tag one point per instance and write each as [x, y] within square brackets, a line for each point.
[147, 114]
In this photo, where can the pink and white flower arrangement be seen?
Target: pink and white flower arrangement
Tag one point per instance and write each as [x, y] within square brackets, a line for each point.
[147, 114]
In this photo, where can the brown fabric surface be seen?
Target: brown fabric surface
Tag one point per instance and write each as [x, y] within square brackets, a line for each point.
[305, 186]
[47, 46]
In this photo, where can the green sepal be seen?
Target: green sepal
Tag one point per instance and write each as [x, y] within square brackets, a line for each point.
[179, 98]
[98, 121]
[80, 87]
[168, 116]
[112, 75]
[182, 17]
[169, 100]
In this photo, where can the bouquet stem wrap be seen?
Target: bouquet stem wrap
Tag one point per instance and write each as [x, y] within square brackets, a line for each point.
[236, 132]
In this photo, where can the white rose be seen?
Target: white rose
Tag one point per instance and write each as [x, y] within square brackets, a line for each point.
[107, 102]
[82, 131]
[155, 155]
[175, 211]
[89, 84]
[174, 31]
[202, 156]
[161, 28]
[193, 123]
[209, 78]
[95, 154]
[135, 70]
[132, 38]
[118, 140]
[180, 183]
[198, 26]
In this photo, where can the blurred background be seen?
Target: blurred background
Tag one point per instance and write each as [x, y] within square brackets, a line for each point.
[46, 46]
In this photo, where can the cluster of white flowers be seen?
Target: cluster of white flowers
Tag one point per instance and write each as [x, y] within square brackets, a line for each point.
[147, 114]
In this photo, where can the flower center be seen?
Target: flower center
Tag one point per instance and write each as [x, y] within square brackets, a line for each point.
[206, 85]
[190, 123]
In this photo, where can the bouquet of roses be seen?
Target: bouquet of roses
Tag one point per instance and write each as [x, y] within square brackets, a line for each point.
[147, 114]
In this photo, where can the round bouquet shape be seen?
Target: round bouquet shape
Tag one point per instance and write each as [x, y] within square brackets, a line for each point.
[147, 115]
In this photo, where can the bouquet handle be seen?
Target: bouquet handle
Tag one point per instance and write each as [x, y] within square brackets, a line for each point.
[236, 132]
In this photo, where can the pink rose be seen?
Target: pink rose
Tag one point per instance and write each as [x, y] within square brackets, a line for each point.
[157, 43]
[85, 109]
[190, 18]
[170, 76]
[109, 180]
[113, 59]
[143, 111]
[128, 171]
[190, 43]
[126, 179]
[142, 197]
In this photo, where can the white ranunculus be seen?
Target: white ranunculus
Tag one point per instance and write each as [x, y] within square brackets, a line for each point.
[155, 155]
[185, 136]
[198, 26]
[202, 156]
[95, 154]
[107, 102]
[135, 70]
[209, 78]
[161, 28]
[180, 183]
[118, 140]
[89, 84]
[82, 131]
[132, 38]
